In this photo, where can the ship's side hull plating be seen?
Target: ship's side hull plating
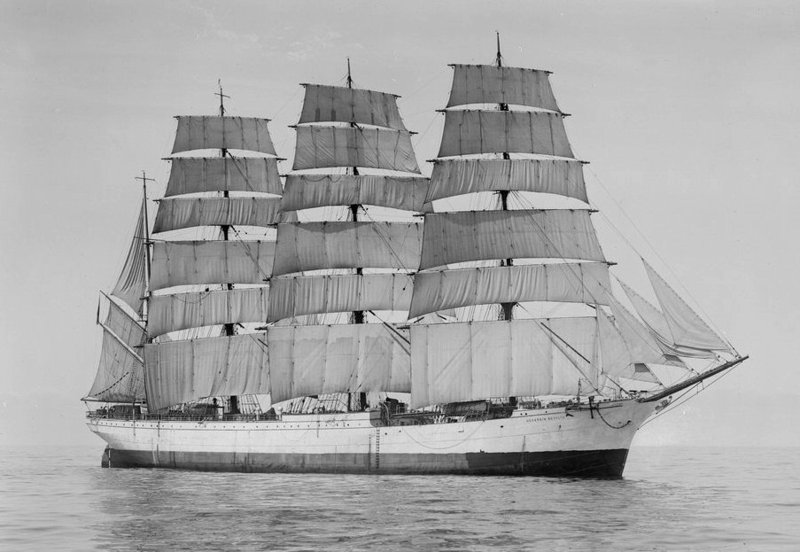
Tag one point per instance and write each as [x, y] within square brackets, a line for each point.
[531, 442]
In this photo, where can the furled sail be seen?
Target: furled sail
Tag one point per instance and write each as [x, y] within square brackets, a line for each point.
[688, 329]
[179, 311]
[454, 177]
[482, 235]
[376, 148]
[467, 132]
[299, 295]
[130, 286]
[184, 371]
[312, 360]
[483, 84]
[566, 282]
[478, 360]
[211, 262]
[350, 105]
[191, 175]
[216, 132]
[176, 213]
[120, 376]
[306, 191]
[325, 245]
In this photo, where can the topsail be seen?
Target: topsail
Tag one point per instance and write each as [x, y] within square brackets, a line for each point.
[348, 130]
[221, 281]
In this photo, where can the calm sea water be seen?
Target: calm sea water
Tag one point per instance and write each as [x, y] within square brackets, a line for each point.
[669, 499]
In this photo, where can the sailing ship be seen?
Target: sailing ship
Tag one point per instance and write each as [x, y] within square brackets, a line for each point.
[364, 318]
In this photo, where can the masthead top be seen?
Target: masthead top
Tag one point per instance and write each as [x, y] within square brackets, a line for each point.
[221, 98]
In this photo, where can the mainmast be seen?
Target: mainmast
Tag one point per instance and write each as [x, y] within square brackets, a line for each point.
[227, 329]
[329, 266]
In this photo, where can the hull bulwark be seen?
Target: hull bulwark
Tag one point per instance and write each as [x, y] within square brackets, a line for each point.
[551, 442]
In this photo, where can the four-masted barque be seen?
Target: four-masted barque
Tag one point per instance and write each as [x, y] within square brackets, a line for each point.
[360, 317]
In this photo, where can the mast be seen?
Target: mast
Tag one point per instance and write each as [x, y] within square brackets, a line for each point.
[507, 308]
[220, 281]
[567, 261]
[120, 373]
[358, 316]
[227, 329]
[147, 267]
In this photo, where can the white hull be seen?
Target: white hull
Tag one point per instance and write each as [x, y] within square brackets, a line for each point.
[555, 441]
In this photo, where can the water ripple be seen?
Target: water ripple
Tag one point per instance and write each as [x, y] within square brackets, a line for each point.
[670, 499]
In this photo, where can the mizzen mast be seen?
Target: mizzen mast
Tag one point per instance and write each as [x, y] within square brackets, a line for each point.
[146, 229]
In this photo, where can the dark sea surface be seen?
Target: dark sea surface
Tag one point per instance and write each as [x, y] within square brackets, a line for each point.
[670, 499]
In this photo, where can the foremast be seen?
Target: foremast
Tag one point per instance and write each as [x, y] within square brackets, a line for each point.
[504, 138]
[517, 149]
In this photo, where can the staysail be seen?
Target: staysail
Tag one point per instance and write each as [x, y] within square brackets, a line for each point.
[657, 323]
[688, 329]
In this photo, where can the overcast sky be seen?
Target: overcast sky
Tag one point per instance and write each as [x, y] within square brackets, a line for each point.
[687, 110]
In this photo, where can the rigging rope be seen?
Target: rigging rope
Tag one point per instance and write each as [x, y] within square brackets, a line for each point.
[654, 251]
[689, 394]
